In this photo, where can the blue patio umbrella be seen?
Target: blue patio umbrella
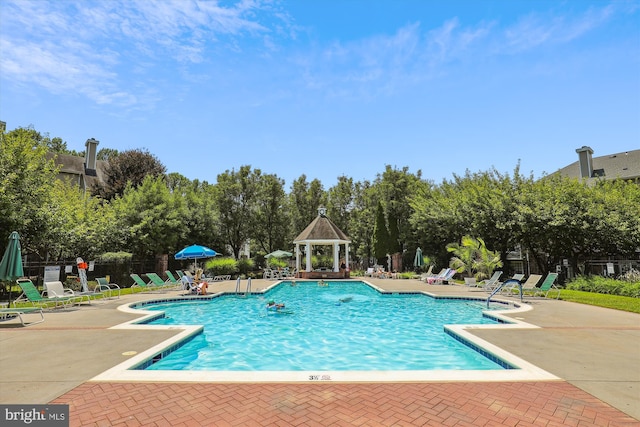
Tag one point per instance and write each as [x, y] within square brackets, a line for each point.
[418, 261]
[11, 264]
[196, 252]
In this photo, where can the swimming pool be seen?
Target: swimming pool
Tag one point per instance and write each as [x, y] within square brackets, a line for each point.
[344, 326]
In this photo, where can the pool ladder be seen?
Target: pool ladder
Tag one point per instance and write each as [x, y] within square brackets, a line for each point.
[496, 290]
[248, 291]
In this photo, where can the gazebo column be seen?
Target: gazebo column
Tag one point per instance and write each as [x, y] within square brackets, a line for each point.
[336, 255]
[346, 254]
[297, 257]
[309, 268]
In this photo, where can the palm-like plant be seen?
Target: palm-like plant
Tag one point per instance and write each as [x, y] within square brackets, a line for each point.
[471, 255]
[464, 254]
[486, 261]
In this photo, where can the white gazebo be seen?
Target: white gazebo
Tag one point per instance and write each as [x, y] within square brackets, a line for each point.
[322, 232]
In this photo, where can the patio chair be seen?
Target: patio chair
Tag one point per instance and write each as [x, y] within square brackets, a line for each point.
[528, 286]
[171, 279]
[433, 279]
[444, 280]
[547, 286]
[493, 282]
[188, 285]
[56, 289]
[267, 273]
[470, 281]
[427, 274]
[31, 295]
[10, 313]
[157, 281]
[141, 284]
[106, 287]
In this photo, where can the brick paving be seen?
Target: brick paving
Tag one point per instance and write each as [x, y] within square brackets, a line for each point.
[518, 404]
[608, 369]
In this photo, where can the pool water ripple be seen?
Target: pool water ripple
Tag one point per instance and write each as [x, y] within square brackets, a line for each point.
[343, 326]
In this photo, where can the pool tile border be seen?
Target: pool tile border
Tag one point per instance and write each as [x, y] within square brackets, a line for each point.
[516, 369]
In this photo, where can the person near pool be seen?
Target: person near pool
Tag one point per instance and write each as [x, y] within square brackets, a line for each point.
[202, 285]
[272, 305]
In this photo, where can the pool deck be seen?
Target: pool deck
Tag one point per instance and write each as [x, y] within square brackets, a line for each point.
[595, 352]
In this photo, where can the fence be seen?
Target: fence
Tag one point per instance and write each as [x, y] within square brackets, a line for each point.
[118, 272]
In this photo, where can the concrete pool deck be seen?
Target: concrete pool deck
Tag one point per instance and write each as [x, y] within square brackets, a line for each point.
[595, 352]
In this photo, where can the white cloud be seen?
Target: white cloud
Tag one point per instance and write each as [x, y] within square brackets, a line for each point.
[88, 48]
[536, 29]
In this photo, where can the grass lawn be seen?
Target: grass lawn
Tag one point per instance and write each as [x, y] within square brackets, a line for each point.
[602, 300]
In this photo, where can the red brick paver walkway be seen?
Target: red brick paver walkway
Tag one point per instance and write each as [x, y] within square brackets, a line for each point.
[336, 404]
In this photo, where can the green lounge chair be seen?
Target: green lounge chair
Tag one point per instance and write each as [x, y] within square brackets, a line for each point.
[31, 295]
[141, 284]
[172, 279]
[10, 313]
[106, 288]
[157, 281]
[547, 286]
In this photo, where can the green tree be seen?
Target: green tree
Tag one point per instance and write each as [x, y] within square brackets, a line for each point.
[304, 200]
[340, 203]
[107, 154]
[381, 243]
[152, 217]
[362, 220]
[563, 218]
[82, 225]
[395, 188]
[236, 195]
[26, 182]
[130, 167]
[58, 145]
[272, 222]
[201, 219]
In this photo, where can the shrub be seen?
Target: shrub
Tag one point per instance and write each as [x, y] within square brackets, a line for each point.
[605, 285]
[116, 257]
[274, 262]
[245, 265]
[221, 266]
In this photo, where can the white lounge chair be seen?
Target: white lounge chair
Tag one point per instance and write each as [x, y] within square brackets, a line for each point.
[439, 276]
[57, 290]
[493, 282]
[470, 281]
[528, 286]
[9, 313]
[448, 275]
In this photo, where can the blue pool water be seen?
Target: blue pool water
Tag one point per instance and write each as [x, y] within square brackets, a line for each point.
[365, 331]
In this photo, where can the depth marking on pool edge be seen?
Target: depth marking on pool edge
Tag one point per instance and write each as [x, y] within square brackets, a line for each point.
[524, 371]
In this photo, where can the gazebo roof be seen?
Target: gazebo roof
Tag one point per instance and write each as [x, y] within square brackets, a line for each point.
[322, 230]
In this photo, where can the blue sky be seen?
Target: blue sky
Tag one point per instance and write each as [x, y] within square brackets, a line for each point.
[328, 87]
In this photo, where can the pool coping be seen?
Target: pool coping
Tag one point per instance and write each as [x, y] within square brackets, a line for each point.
[125, 372]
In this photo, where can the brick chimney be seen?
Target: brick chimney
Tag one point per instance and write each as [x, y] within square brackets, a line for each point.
[90, 156]
[585, 161]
